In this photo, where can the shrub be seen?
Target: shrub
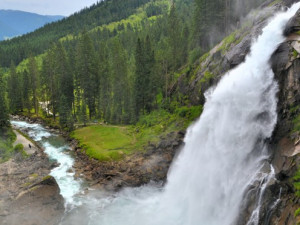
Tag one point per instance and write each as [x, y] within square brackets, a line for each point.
[19, 148]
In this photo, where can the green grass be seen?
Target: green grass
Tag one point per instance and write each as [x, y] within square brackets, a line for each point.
[107, 143]
[7, 138]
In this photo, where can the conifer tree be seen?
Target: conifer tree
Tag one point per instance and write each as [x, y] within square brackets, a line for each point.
[174, 38]
[26, 90]
[88, 72]
[4, 118]
[34, 78]
[105, 87]
[150, 85]
[15, 90]
[66, 87]
[120, 89]
[50, 81]
[139, 78]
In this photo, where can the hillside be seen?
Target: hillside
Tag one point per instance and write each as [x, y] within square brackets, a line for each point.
[37, 42]
[16, 23]
[125, 87]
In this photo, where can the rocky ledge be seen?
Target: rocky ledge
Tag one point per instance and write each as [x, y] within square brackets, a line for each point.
[27, 194]
[284, 145]
[134, 170]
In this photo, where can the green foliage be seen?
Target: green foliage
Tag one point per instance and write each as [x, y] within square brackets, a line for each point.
[4, 118]
[194, 55]
[207, 76]
[36, 42]
[7, 138]
[297, 212]
[15, 90]
[190, 113]
[296, 123]
[153, 10]
[145, 88]
[227, 42]
[18, 148]
[99, 142]
[296, 183]
[294, 109]
[119, 62]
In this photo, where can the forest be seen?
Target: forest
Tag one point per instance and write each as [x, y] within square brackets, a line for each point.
[110, 64]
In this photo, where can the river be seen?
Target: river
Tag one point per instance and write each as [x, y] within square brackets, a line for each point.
[224, 154]
[58, 150]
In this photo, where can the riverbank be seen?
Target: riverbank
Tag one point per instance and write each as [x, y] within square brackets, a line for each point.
[149, 161]
[27, 193]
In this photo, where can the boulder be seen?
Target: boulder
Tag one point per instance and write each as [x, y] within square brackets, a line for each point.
[293, 26]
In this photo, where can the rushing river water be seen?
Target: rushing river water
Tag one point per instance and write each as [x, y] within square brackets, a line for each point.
[224, 154]
[57, 149]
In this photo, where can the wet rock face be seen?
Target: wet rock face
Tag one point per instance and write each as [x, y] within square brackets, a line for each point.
[27, 194]
[293, 25]
[41, 204]
[285, 63]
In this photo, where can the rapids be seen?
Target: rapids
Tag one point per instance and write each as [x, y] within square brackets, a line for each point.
[224, 154]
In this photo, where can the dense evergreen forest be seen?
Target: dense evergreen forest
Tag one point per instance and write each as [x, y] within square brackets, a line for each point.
[113, 62]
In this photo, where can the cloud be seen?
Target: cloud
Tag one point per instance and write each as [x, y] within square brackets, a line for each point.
[47, 7]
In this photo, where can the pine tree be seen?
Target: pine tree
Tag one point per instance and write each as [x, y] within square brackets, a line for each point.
[15, 90]
[65, 115]
[66, 88]
[120, 85]
[88, 72]
[34, 78]
[139, 78]
[64, 74]
[26, 90]
[150, 87]
[4, 118]
[50, 81]
[174, 36]
[105, 88]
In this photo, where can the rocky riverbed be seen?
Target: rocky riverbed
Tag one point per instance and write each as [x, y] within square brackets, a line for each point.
[28, 195]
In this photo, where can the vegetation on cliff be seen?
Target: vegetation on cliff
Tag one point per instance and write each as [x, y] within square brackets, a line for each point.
[115, 67]
[7, 138]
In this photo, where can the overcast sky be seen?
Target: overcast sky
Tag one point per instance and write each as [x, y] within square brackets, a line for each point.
[47, 7]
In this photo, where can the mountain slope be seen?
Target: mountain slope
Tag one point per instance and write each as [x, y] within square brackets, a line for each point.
[15, 23]
[37, 42]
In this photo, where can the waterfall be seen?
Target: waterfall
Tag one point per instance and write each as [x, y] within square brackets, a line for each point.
[224, 153]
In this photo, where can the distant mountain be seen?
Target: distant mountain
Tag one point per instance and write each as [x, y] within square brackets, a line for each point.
[14, 23]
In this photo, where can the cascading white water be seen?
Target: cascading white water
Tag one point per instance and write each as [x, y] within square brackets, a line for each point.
[224, 152]
[55, 148]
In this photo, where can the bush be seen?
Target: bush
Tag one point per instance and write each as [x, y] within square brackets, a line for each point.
[19, 148]
[190, 113]
[194, 55]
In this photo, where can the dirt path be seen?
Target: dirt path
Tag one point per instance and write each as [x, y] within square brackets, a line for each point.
[25, 142]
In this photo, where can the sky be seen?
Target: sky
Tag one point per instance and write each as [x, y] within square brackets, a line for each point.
[47, 7]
